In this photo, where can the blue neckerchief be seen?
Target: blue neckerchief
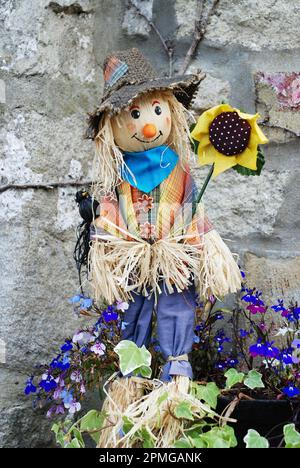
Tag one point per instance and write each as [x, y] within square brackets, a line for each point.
[147, 169]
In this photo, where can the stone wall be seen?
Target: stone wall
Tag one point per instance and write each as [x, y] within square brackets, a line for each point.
[50, 76]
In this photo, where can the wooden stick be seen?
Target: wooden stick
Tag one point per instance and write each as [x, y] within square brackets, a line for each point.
[45, 186]
[200, 30]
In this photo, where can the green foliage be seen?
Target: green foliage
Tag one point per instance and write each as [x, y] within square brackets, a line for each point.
[208, 393]
[183, 411]
[254, 440]
[253, 380]
[233, 377]
[69, 435]
[216, 437]
[133, 359]
[291, 436]
[252, 172]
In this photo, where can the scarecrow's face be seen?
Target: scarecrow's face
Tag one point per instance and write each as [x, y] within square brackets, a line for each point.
[145, 124]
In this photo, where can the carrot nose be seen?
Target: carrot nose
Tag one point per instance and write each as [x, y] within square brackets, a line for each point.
[149, 131]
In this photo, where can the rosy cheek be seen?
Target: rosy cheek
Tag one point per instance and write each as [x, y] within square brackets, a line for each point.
[168, 121]
[131, 127]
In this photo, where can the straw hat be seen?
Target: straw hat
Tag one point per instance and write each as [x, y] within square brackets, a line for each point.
[127, 74]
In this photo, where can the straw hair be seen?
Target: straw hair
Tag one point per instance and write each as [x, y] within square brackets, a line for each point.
[108, 159]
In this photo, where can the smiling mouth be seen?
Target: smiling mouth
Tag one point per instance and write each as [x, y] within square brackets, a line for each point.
[147, 141]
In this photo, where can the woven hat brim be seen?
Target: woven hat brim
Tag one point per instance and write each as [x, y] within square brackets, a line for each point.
[184, 88]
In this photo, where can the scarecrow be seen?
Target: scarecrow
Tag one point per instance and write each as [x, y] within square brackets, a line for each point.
[151, 243]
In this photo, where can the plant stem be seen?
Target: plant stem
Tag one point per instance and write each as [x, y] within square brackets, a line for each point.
[209, 175]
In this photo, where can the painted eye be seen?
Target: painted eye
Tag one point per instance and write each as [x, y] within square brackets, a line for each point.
[135, 114]
[157, 110]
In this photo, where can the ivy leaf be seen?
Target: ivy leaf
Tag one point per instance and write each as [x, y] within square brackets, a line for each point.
[219, 437]
[132, 357]
[291, 436]
[91, 421]
[208, 393]
[146, 437]
[254, 440]
[183, 411]
[144, 371]
[252, 172]
[233, 377]
[162, 398]
[182, 443]
[73, 444]
[127, 424]
[253, 380]
[59, 434]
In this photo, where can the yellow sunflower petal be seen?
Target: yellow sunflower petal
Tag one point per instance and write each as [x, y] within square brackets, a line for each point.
[207, 155]
[222, 163]
[262, 139]
[204, 142]
[248, 158]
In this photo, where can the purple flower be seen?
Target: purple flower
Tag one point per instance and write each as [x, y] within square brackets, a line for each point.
[59, 409]
[110, 315]
[30, 388]
[271, 351]
[83, 337]
[121, 305]
[254, 309]
[291, 391]
[76, 376]
[98, 348]
[73, 406]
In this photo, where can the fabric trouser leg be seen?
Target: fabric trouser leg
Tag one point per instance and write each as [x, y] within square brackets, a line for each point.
[175, 330]
[137, 322]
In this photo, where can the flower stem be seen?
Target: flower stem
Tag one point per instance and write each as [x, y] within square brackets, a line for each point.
[204, 186]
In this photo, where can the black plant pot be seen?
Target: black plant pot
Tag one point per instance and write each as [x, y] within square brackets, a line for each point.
[265, 416]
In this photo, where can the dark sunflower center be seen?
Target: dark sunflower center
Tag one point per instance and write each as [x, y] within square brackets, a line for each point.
[229, 134]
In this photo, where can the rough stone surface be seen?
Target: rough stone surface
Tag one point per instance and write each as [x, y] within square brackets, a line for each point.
[50, 77]
[134, 24]
[277, 277]
[212, 91]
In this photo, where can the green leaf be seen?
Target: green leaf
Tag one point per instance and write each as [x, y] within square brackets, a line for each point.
[127, 424]
[254, 440]
[233, 377]
[208, 393]
[92, 420]
[252, 172]
[147, 439]
[162, 398]
[73, 444]
[182, 443]
[59, 434]
[131, 356]
[253, 380]
[183, 410]
[291, 436]
[144, 371]
[219, 437]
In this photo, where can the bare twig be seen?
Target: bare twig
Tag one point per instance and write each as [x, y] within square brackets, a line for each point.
[200, 29]
[168, 49]
[48, 186]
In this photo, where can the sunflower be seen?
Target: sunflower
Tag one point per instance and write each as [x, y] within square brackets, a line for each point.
[227, 137]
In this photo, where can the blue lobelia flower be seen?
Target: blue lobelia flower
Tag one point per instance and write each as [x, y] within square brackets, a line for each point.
[278, 307]
[48, 383]
[110, 315]
[286, 356]
[257, 349]
[30, 388]
[67, 346]
[291, 391]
